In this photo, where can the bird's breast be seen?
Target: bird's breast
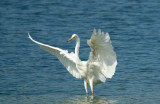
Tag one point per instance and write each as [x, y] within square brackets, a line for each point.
[82, 68]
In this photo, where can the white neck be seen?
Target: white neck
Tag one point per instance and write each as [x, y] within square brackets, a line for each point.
[77, 48]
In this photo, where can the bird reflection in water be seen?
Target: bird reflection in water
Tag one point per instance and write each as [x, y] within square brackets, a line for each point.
[81, 99]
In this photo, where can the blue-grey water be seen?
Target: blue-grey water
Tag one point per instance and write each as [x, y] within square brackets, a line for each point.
[30, 75]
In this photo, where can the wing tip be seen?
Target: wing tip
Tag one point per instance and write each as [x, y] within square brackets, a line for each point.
[94, 31]
[29, 36]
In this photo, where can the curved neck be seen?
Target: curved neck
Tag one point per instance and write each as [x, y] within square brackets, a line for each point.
[77, 49]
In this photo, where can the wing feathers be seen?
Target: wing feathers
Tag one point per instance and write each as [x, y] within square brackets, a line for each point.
[102, 53]
[67, 59]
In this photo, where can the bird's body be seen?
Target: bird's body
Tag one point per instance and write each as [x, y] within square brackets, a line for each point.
[100, 65]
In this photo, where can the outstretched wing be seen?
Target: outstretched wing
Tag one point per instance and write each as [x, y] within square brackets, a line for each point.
[67, 59]
[102, 59]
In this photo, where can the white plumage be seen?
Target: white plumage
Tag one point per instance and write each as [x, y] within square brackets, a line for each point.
[100, 65]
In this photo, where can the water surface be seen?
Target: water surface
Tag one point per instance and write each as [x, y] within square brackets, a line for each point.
[28, 74]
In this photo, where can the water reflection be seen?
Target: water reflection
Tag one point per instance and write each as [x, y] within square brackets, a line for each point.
[53, 99]
[82, 99]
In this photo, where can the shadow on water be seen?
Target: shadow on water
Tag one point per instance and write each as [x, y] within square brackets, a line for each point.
[82, 99]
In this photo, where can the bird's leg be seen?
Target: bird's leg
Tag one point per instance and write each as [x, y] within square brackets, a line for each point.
[85, 86]
[91, 85]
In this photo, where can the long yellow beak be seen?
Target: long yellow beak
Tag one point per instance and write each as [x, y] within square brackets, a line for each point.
[70, 39]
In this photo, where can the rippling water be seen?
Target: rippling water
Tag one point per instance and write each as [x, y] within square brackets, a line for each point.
[28, 74]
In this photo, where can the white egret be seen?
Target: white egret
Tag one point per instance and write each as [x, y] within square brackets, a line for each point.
[100, 65]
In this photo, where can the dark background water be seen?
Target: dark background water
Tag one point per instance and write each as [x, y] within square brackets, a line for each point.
[30, 75]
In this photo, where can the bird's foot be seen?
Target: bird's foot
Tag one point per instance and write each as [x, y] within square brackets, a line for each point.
[87, 94]
[92, 94]
[92, 97]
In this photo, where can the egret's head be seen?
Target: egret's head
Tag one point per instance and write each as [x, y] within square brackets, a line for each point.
[74, 36]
